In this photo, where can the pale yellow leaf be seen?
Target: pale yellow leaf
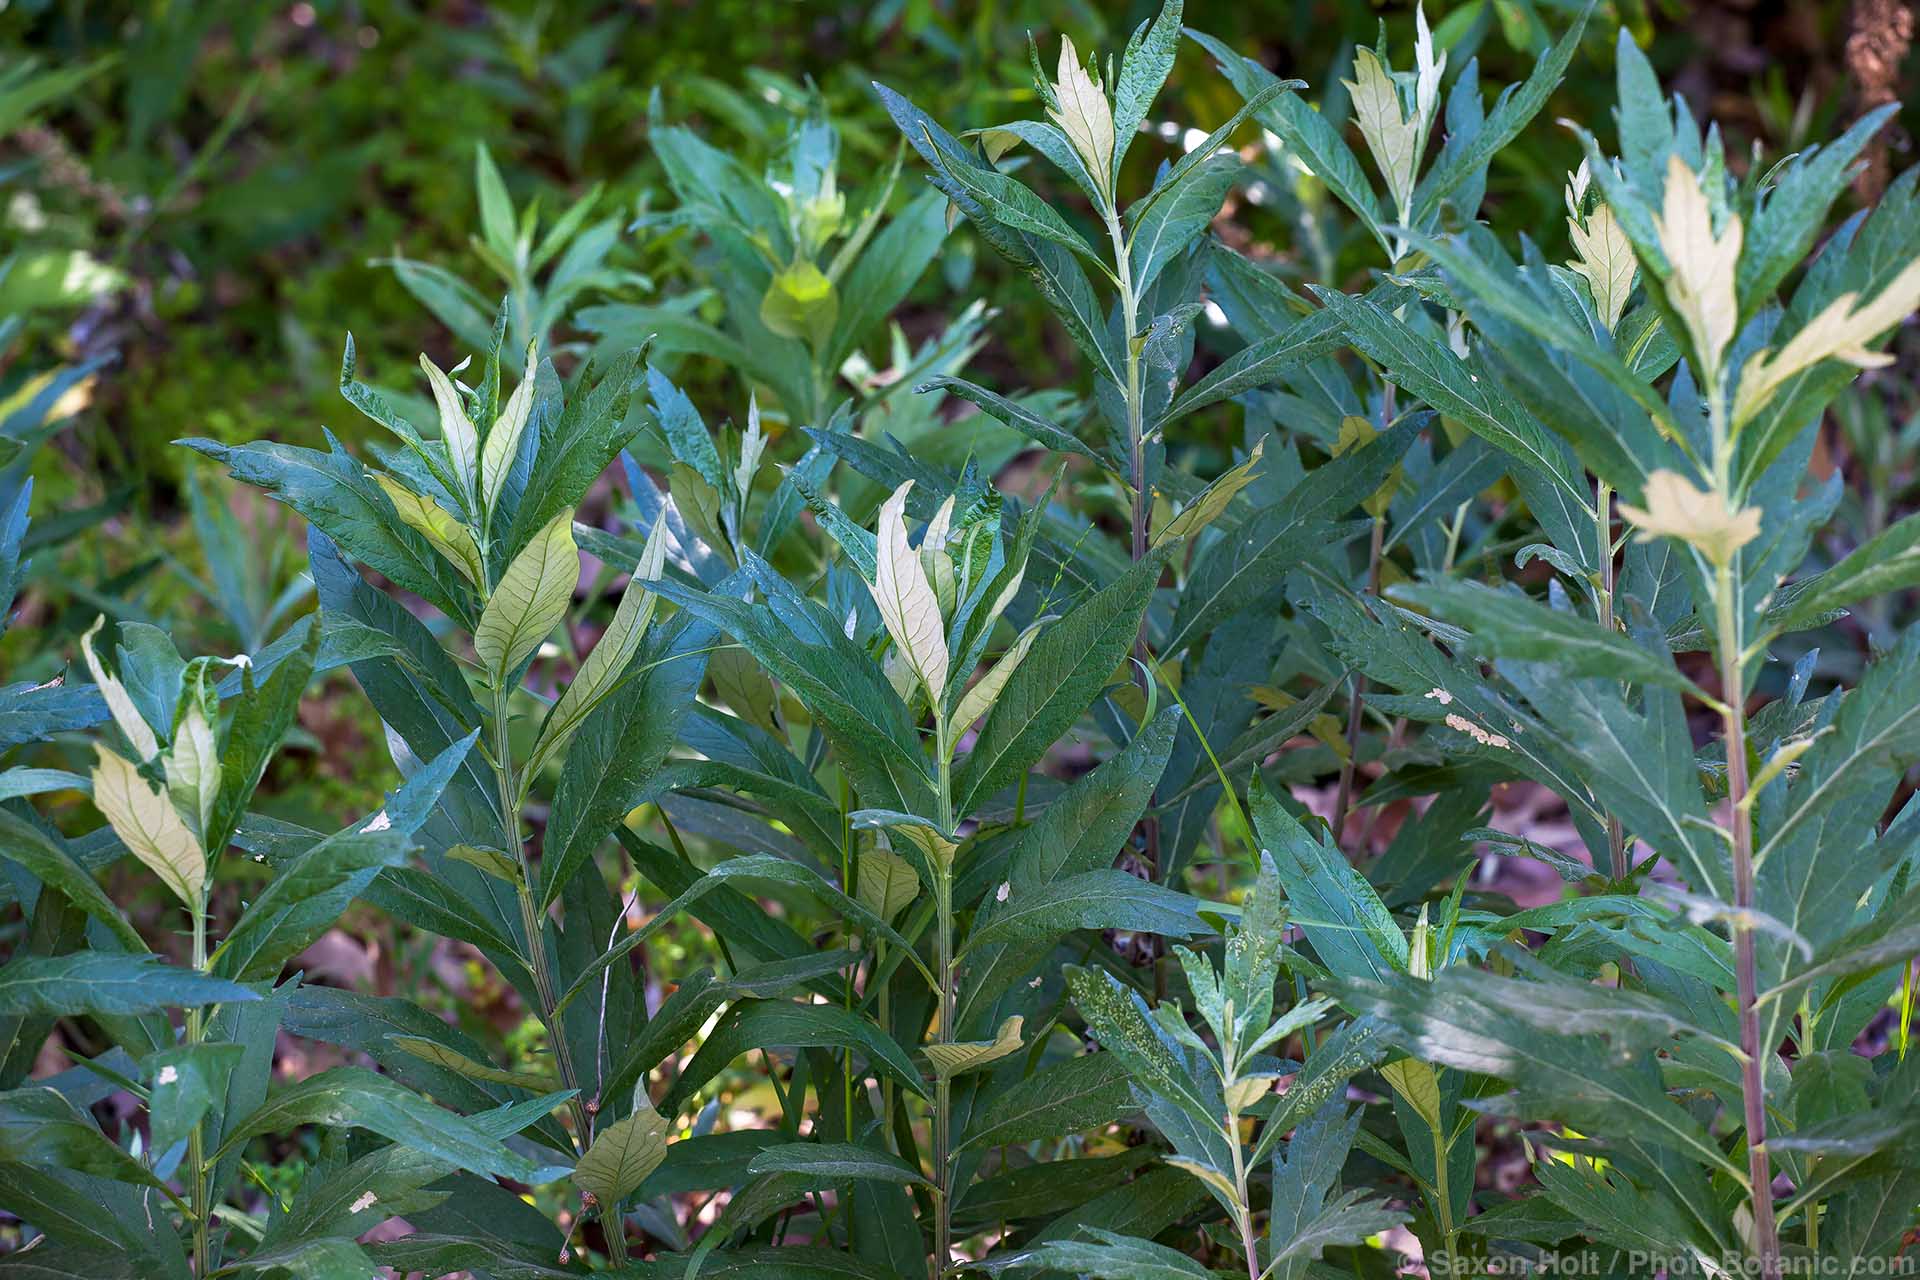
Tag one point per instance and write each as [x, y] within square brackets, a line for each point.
[1701, 266]
[487, 859]
[1356, 431]
[955, 1059]
[937, 849]
[602, 669]
[147, 823]
[456, 429]
[1391, 136]
[1429, 67]
[1605, 258]
[1242, 1094]
[622, 1155]
[907, 603]
[460, 1064]
[1208, 1174]
[1213, 500]
[1676, 509]
[934, 558]
[531, 599]
[1841, 331]
[752, 446]
[442, 530]
[978, 700]
[887, 882]
[192, 766]
[503, 441]
[138, 733]
[1415, 1081]
[1084, 115]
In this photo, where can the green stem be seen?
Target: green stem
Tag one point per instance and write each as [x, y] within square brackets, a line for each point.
[612, 1225]
[1443, 1196]
[1603, 532]
[1753, 1060]
[1142, 509]
[942, 1097]
[1243, 1200]
[1733, 713]
[197, 1139]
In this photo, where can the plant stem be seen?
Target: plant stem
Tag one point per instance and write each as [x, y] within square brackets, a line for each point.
[1752, 1062]
[197, 1139]
[942, 1089]
[1603, 531]
[611, 1223]
[1243, 1203]
[1142, 511]
[1443, 1196]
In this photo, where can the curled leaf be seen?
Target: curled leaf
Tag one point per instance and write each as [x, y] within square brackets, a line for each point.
[955, 1059]
[1675, 509]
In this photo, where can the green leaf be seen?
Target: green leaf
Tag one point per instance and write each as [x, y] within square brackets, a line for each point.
[1012, 205]
[261, 717]
[756, 1024]
[50, 861]
[1233, 573]
[1305, 132]
[1307, 1218]
[1887, 562]
[886, 270]
[1087, 1092]
[187, 1081]
[590, 974]
[1143, 71]
[41, 1127]
[530, 600]
[621, 1157]
[1554, 1075]
[496, 207]
[335, 494]
[1115, 1257]
[1506, 624]
[453, 1060]
[1515, 108]
[1065, 670]
[1274, 356]
[1187, 171]
[1352, 931]
[770, 869]
[1118, 1018]
[831, 1163]
[1091, 900]
[104, 982]
[576, 442]
[844, 690]
[1460, 389]
[354, 1097]
[619, 748]
[1021, 419]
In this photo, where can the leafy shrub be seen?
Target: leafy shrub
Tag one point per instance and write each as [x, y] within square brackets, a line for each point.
[937, 721]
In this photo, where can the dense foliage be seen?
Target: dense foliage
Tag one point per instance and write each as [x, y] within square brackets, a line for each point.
[914, 823]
